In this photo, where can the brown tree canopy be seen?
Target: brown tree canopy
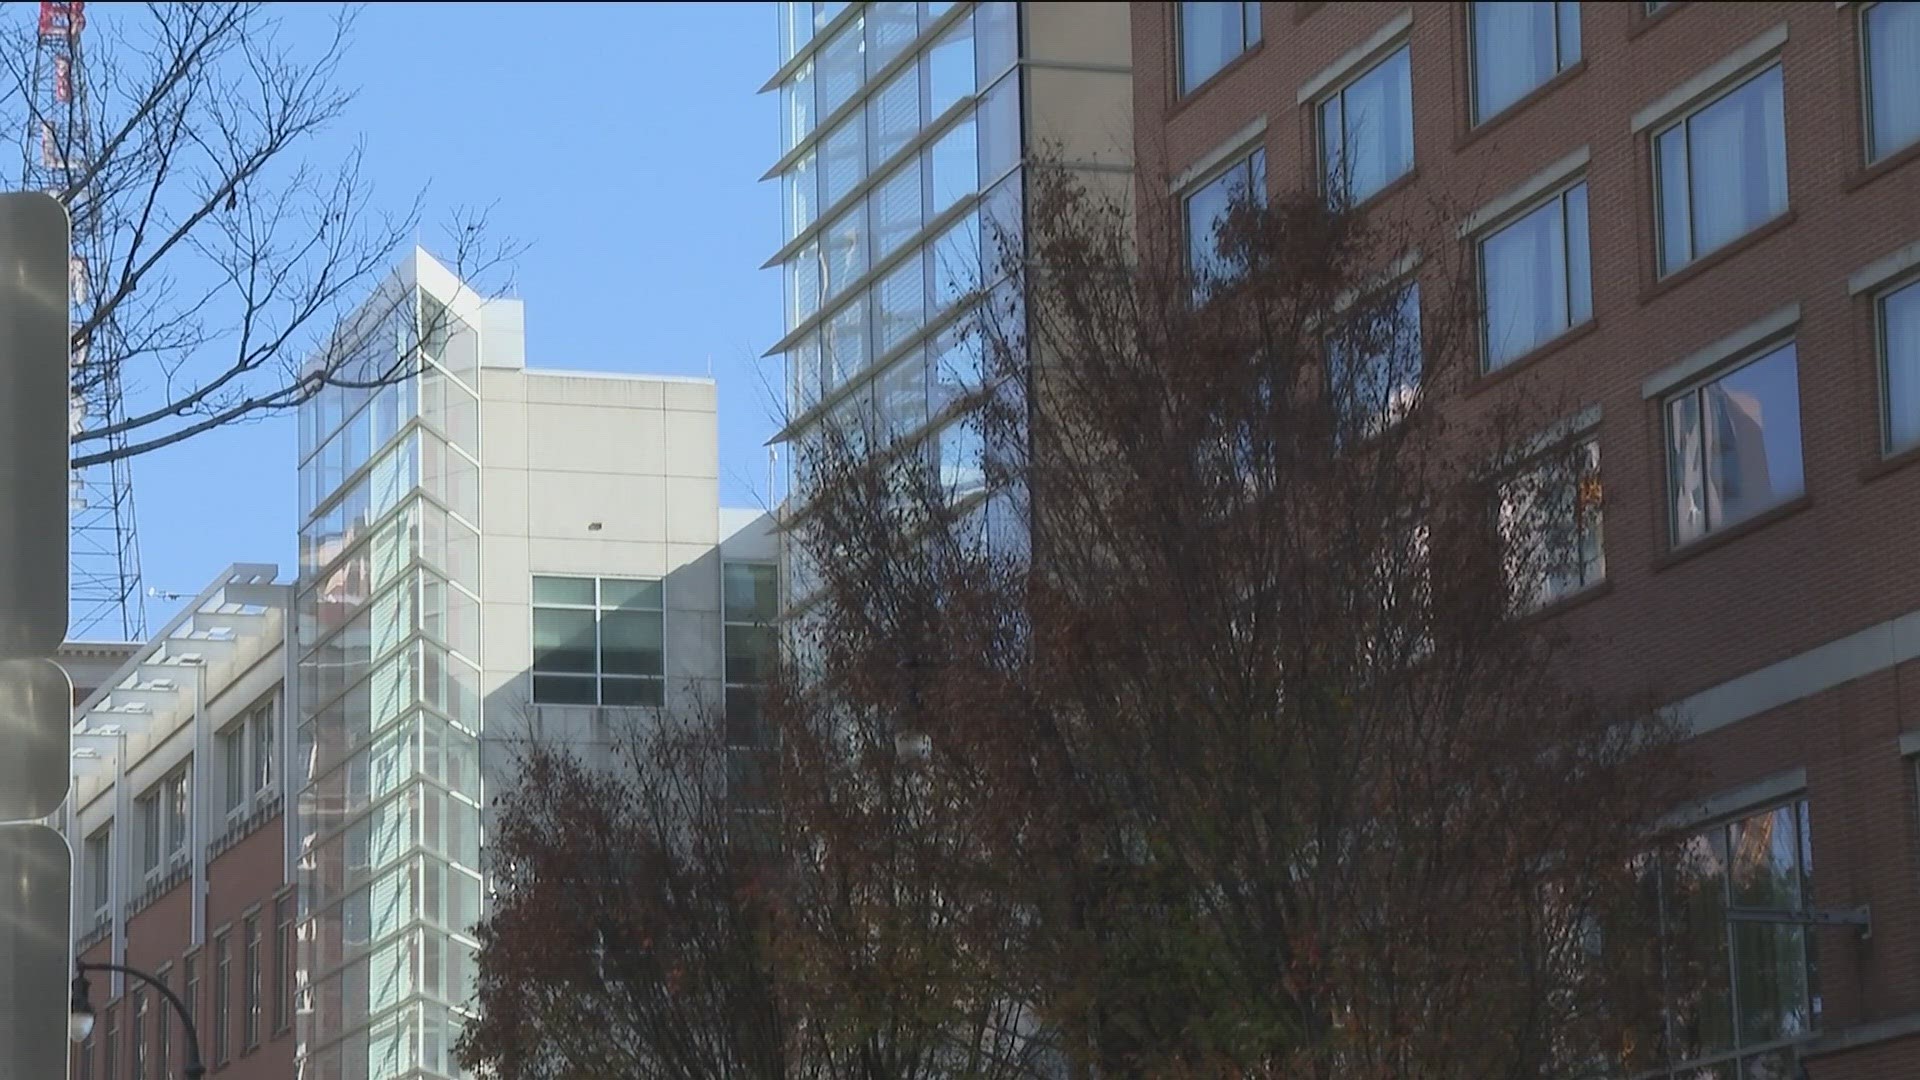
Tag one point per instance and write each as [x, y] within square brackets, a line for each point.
[1186, 709]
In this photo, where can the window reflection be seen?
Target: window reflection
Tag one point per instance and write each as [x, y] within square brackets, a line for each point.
[1366, 130]
[1518, 46]
[1734, 445]
[1207, 210]
[1536, 276]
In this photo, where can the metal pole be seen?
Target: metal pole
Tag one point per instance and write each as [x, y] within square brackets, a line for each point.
[194, 1070]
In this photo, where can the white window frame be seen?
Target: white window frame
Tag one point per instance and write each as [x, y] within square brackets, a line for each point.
[98, 873]
[1679, 120]
[599, 609]
[243, 735]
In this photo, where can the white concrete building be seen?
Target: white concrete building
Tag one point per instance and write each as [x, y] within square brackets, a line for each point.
[483, 547]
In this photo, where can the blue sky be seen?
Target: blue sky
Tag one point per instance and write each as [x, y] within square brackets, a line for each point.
[624, 142]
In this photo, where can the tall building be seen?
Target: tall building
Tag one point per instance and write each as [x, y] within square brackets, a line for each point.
[907, 131]
[281, 797]
[1701, 224]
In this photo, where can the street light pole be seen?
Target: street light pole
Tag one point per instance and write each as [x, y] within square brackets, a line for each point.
[82, 1010]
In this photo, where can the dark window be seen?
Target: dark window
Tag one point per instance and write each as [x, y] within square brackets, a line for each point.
[251, 965]
[283, 945]
[222, 983]
[598, 641]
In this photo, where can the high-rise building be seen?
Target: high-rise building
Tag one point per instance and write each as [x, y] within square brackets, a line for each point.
[281, 801]
[907, 132]
[1700, 225]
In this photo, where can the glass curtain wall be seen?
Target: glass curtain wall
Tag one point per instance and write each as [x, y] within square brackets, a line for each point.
[901, 185]
[388, 692]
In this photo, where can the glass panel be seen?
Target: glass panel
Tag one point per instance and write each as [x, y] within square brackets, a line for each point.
[1670, 163]
[893, 115]
[843, 159]
[803, 375]
[630, 593]
[891, 27]
[801, 280]
[1569, 19]
[999, 120]
[1524, 271]
[1737, 162]
[1579, 258]
[559, 590]
[895, 204]
[842, 68]
[961, 459]
[631, 643]
[751, 592]
[1686, 468]
[1375, 130]
[1374, 381]
[563, 690]
[797, 106]
[950, 72]
[954, 166]
[955, 269]
[997, 38]
[899, 304]
[957, 367]
[1753, 438]
[800, 194]
[750, 653]
[1900, 348]
[844, 349]
[1513, 52]
[844, 243]
[563, 640]
[1211, 34]
[1770, 962]
[1698, 949]
[900, 393]
[633, 692]
[1893, 76]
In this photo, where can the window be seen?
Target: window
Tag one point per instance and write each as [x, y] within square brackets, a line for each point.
[1206, 211]
[222, 982]
[250, 975]
[247, 751]
[1516, 47]
[191, 992]
[1653, 6]
[1374, 368]
[1898, 319]
[1211, 35]
[1733, 445]
[178, 811]
[1550, 527]
[1759, 988]
[750, 602]
[1890, 47]
[1721, 171]
[137, 1035]
[152, 825]
[283, 945]
[85, 1071]
[99, 872]
[598, 641]
[111, 1041]
[164, 814]
[1536, 277]
[1366, 130]
[163, 1030]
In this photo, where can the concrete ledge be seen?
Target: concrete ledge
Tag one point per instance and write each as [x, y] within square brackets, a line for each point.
[1852, 1038]
[1880, 271]
[1537, 186]
[1746, 797]
[1703, 360]
[1741, 62]
[1240, 142]
[1351, 61]
[1859, 654]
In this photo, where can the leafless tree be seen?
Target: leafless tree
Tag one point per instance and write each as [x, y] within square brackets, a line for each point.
[1238, 745]
[218, 254]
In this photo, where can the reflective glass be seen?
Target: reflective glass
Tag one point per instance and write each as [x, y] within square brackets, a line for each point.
[1900, 352]
[1892, 36]
[1518, 46]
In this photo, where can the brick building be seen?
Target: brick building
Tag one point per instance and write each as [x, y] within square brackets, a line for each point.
[1700, 222]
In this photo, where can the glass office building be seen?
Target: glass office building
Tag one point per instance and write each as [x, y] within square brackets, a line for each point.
[905, 136]
[388, 691]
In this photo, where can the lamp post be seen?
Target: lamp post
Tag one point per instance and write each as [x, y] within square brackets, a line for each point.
[80, 1020]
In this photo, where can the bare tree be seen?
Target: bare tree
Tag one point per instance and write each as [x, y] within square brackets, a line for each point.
[1240, 748]
[630, 933]
[218, 255]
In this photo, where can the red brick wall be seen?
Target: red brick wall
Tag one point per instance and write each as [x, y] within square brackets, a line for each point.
[243, 879]
[1845, 561]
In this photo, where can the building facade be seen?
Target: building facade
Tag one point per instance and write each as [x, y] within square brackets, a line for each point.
[487, 551]
[907, 132]
[1701, 224]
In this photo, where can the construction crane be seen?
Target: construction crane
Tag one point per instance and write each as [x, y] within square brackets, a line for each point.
[105, 596]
